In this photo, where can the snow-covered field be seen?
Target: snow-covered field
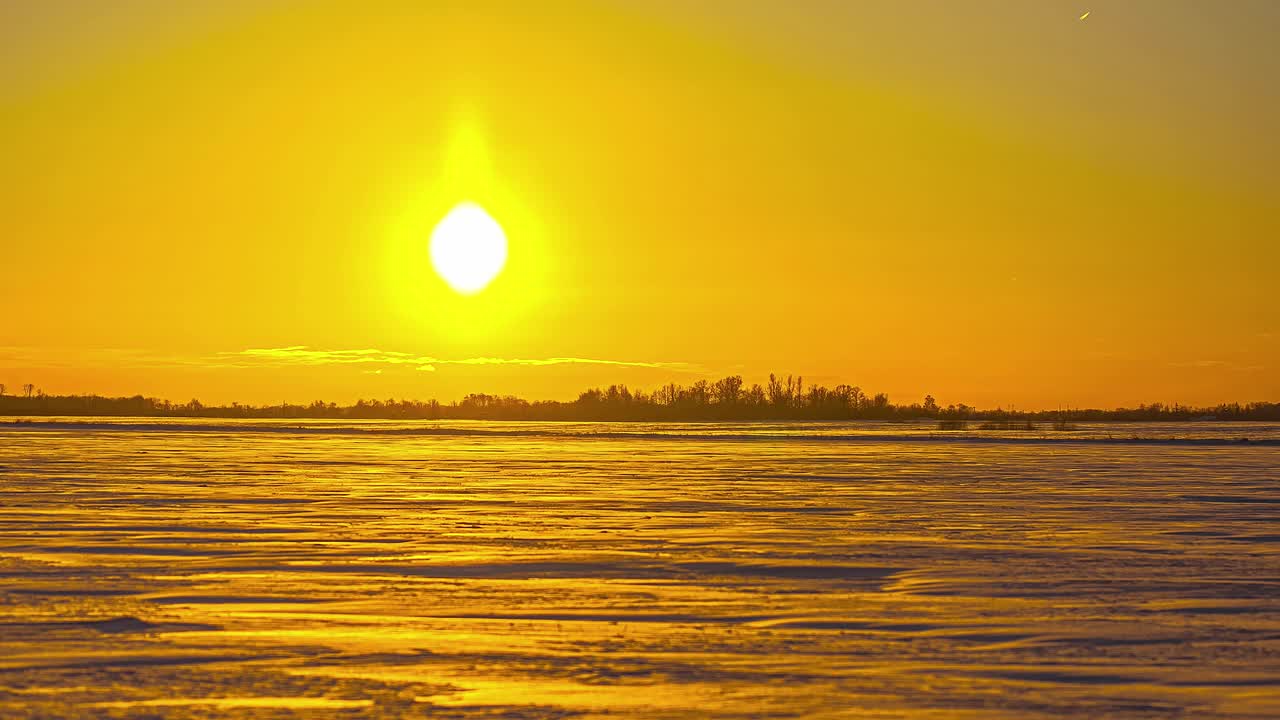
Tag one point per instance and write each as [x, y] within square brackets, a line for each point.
[476, 570]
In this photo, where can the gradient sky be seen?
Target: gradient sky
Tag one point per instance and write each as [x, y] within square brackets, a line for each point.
[994, 202]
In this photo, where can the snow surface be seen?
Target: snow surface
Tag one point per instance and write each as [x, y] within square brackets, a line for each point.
[294, 569]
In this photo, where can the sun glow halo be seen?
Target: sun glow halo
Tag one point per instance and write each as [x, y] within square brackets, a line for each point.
[468, 248]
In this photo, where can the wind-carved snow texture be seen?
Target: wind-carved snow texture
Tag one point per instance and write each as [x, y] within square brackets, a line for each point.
[473, 570]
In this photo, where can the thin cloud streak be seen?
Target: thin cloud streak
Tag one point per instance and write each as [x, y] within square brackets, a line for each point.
[373, 360]
[305, 355]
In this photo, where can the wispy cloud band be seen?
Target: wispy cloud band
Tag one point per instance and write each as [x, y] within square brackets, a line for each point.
[372, 359]
[305, 355]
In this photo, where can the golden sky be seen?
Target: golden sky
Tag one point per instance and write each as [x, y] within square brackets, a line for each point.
[994, 202]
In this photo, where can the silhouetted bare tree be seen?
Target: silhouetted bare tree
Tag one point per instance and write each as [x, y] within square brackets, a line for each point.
[728, 391]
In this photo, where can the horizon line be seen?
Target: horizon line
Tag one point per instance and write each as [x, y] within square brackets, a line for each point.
[668, 396]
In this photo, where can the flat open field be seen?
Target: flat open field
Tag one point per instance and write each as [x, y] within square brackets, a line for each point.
[475, 570]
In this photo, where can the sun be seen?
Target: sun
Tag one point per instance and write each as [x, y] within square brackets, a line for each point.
[468, 248]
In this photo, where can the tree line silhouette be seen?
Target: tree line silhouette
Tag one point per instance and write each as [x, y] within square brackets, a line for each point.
[728, 398]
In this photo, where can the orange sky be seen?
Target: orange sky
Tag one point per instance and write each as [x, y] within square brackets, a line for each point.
[994, 202]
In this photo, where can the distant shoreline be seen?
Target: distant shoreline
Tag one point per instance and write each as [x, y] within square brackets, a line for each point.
[767, 432]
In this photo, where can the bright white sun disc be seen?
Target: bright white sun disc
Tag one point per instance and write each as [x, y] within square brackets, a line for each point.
[468, 248]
